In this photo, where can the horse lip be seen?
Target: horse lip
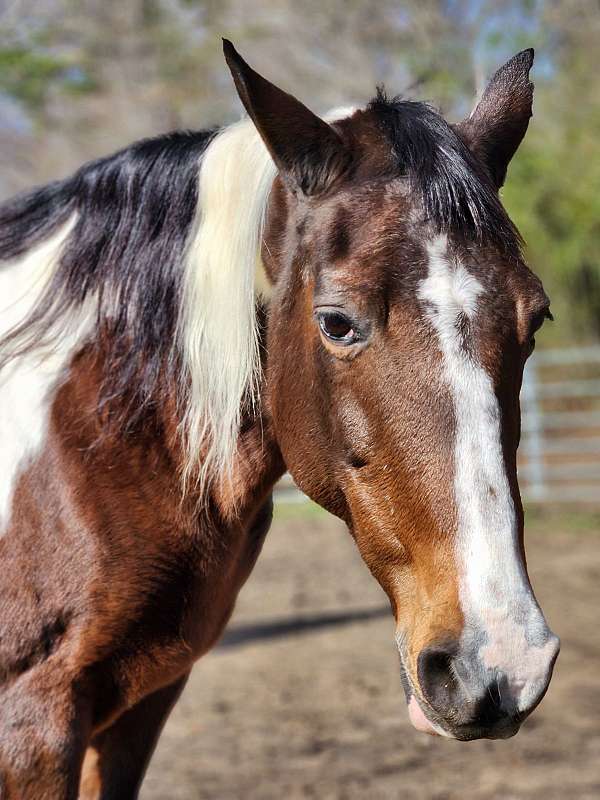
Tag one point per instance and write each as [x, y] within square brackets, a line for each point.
[469, 733]
[410, 692]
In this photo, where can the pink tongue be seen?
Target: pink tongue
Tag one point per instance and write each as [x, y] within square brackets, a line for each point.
[418, 718]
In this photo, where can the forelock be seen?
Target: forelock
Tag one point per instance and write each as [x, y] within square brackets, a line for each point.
[456, 194]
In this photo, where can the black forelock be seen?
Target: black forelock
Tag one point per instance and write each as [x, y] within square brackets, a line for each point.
[457, 195]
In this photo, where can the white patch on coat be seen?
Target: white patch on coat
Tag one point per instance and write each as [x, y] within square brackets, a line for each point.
[27, 383]
[495, 596]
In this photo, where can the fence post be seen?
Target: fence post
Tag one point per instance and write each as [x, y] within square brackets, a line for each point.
[533, 443]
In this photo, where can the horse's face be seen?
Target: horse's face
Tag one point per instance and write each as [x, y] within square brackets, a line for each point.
[395, 362]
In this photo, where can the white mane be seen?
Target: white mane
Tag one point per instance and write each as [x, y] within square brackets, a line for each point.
[220, 345]
[217, 327]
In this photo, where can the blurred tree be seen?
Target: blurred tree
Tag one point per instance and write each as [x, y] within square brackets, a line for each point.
[553, 190]
[81, 77]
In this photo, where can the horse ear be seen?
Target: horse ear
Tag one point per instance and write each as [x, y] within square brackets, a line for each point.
[499, 121]
[306, 150]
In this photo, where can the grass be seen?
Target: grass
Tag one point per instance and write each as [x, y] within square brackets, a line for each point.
[567, 518]
[552, 517]
[286, 510]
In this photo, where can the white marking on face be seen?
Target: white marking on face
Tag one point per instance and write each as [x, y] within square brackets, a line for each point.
[495, 596]
[27, 383]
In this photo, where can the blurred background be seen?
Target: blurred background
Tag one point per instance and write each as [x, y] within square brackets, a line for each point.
[303, 697]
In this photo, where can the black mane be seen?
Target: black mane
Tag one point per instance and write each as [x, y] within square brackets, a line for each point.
[457, 194]
[135, 211]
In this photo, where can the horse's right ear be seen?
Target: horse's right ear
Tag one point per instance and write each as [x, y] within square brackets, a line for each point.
[307, 151]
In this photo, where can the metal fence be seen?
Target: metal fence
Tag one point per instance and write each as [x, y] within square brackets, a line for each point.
[559, 456]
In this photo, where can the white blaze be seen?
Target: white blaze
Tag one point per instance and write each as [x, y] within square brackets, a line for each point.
[495, 597]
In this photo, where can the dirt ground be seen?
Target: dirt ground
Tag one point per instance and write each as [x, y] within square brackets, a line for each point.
[287, 709]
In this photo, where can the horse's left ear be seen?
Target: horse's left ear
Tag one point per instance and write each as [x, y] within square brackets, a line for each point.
[306, 150]
[499, 121]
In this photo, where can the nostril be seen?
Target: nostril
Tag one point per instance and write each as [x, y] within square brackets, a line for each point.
[434, 665]
[436, 676]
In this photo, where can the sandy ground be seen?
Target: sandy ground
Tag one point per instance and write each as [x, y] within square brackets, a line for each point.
[288, 710]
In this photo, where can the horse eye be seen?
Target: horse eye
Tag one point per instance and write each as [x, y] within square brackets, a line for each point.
[337, 327]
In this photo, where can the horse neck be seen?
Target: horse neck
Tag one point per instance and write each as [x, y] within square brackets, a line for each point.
[148, 459]
[258, 463]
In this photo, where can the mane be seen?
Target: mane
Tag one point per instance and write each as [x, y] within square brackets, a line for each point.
[457, 195]
[158, 244]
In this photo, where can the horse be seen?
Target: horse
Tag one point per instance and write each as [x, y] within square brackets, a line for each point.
[344, 298]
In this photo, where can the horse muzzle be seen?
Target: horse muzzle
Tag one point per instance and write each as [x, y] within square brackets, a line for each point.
[455, 694]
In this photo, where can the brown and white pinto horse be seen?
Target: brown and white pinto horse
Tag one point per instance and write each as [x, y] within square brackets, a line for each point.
[149, 401]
